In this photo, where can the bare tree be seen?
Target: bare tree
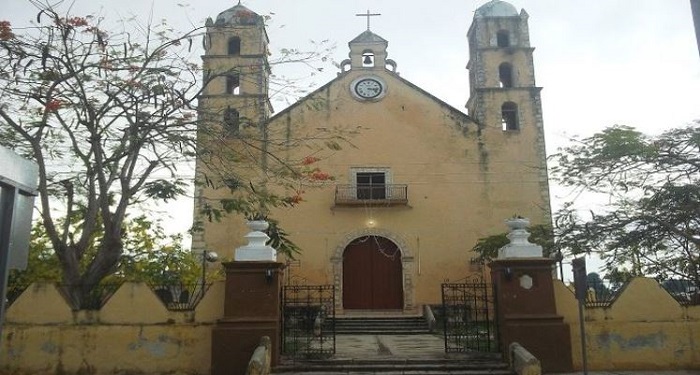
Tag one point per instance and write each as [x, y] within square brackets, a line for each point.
[110, 118]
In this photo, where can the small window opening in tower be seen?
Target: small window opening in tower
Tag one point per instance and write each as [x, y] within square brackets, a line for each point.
[234, 46]
[367, 59]
[509, 116]
[233, 84]
[503, 38]
[232, 121]
[505, 75]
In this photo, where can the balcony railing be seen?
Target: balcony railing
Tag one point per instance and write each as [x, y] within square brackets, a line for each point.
[371, 194]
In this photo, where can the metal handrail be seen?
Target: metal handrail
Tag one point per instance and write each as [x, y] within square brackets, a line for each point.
[369, 193]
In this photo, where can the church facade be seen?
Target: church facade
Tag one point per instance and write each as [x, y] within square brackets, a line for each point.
[422, 181]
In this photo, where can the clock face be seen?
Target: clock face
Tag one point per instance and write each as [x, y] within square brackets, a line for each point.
[368, 88]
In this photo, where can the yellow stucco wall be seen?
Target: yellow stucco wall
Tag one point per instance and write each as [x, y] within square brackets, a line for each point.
[644, 329]
[463, 182]
[132, 333]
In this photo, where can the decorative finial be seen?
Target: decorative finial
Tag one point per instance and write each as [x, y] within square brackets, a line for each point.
[368, 15]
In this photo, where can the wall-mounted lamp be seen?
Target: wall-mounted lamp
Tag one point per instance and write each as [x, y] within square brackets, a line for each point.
[371, 223]
[207, 256]
[268, 276]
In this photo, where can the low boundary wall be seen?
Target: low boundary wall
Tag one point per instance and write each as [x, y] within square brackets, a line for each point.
[133, 333]
[644, 328]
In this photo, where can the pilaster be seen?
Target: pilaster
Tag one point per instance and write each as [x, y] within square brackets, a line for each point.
[525, 306]
[251, 310]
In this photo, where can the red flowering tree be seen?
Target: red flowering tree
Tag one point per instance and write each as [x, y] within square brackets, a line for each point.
[110, 118]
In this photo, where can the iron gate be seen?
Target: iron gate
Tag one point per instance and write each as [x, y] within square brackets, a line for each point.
[469, 317]
[308, 321]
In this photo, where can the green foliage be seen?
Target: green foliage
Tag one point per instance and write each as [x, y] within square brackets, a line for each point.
[487, 247]
[166, 264]
[164, 189]
[651, 225]
[153, 257]
[279, 240]
[149, 256]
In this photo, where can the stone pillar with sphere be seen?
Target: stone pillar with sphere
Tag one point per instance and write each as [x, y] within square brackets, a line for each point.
[524, 294]
[251, 305]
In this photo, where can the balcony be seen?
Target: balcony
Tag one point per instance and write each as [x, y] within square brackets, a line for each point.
[371, 195]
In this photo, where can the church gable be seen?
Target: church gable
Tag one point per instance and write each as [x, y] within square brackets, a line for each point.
[374, 96]
[369, 89]
[384, 117]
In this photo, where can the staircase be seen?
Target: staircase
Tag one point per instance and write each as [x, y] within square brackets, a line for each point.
[391, 345]
[390, 366]
[412, 325]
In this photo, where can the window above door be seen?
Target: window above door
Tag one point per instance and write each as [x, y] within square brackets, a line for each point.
[371, 186]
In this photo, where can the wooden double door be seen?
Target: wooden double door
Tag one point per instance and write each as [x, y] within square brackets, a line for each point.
[372, 275]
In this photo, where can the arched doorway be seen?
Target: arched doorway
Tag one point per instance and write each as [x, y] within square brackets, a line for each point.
[372, 274]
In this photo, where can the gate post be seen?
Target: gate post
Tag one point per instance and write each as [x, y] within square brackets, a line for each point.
[251, 308]
[525, 306]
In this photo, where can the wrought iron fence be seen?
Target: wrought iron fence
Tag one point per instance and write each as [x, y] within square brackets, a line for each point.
[175, 297]
[308, 321]
[685, 292]
[180, 297]
[468, 317]
[602, 293]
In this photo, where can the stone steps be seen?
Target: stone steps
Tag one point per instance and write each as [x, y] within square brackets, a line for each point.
[381, 325]
[397, 366]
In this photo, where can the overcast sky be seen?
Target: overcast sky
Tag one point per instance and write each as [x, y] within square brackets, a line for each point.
[601, 62]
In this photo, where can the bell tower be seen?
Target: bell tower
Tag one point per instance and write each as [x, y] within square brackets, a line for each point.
[234, 99]
[505, 102]
[501, 69]
[236, 68]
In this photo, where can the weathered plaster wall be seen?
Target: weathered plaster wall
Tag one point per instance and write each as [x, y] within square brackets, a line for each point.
[459, 188]
[133, 333]
[644, 329]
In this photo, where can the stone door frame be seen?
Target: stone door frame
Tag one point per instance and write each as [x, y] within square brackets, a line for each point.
[407, 265]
